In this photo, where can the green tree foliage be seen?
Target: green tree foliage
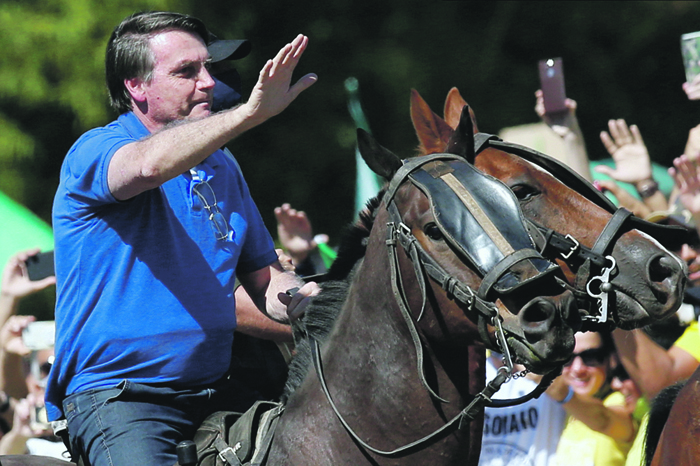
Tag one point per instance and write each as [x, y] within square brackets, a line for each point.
[621, 59]
[52, 86]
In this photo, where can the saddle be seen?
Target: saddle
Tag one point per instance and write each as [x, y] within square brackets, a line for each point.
[227, 438]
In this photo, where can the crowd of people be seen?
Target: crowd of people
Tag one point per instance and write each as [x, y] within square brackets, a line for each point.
[154, 226]
[596, 412]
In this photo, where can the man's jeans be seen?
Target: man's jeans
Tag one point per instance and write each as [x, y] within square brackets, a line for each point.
[135, 424]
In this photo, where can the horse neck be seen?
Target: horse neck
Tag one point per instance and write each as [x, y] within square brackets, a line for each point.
[371, 334]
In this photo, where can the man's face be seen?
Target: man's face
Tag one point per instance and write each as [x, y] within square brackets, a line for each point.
[181, 86]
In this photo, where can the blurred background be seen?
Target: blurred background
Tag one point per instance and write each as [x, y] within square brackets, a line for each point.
[621, 60]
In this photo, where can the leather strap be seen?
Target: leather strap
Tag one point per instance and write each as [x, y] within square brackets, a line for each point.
[400, 298]
[551, 242]
[263, 448]
[466, 415]
[502, 267]
[611, 230]
[226, 452]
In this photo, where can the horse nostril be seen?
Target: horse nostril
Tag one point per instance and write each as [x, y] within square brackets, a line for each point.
[537, 315]
[662, 267]
[534, 314]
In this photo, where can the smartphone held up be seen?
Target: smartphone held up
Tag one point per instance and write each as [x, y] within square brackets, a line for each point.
[552, 84]
[40, 266]
[690, 48]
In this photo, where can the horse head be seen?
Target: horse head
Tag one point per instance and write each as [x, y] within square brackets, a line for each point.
[614, 264]
[464, 230]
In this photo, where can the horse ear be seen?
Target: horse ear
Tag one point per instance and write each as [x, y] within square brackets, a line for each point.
[454, 103]
[462, 140]
[432, 131]
[381, 161]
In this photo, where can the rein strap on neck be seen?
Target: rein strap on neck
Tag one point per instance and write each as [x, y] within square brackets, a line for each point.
[468, 414]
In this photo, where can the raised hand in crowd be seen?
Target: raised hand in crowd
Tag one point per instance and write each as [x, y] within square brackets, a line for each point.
[562, 126]
[294, 232]
[632, 162]
[23, 428]
[568, 129]
[11, 335]
[15, 286]
[692, 88]
[627, 148]
[686, 175]
[692, 146]
[16, 283]
[624, 198]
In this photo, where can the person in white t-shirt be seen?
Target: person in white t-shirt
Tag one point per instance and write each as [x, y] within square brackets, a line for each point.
[522, 435]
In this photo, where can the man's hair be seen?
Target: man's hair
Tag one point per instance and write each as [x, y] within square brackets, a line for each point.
[129, 54]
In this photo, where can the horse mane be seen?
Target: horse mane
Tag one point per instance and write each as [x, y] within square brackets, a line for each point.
[658, 415]
[322, 311]
[353, 241]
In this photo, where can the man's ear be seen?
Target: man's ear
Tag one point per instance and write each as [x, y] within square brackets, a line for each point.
[135, 87]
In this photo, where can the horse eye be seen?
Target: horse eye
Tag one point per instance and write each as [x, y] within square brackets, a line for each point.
[433, 232]
[523, 192]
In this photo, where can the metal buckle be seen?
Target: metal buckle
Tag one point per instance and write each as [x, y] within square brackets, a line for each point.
[470, 297]
[605, 287]
[574, 248]
[231, 453]
[501, 340]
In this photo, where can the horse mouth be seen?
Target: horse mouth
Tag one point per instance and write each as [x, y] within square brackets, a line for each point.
[527, 355]
[632, 313]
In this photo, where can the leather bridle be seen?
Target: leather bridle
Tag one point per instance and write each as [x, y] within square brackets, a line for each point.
[592, 283]
[399, 234]
[593, 278]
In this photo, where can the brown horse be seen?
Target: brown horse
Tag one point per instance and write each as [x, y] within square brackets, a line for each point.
[641, 280]
[678, 444]
[401, 368]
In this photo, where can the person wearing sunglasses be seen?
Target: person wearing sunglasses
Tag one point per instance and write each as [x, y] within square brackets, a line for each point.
[600, 428]
[153, 222]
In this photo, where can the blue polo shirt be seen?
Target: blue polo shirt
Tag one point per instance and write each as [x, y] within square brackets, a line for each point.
[144, 288]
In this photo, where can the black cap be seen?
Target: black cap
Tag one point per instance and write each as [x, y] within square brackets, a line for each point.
[227, 49]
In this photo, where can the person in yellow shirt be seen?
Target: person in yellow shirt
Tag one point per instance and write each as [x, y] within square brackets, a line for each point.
[601, 427]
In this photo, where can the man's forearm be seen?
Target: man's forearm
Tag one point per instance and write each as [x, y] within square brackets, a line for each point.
[147, 164]
[251, 321]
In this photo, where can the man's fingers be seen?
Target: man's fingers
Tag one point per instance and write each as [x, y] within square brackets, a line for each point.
[300, 299]
[304, 83]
